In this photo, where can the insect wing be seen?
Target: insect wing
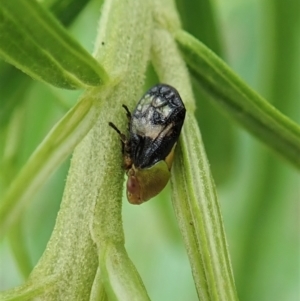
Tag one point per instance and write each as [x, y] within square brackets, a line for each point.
[155, 125]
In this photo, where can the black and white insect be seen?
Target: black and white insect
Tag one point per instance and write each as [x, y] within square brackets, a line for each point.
[154, 128]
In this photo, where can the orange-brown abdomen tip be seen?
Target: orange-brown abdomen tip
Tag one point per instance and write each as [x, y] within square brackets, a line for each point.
[133, 190]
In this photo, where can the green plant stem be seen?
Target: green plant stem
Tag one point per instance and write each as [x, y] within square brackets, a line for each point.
[193, 191]
[120, 278]
[88, 238]
[28, 291]
[239, 101]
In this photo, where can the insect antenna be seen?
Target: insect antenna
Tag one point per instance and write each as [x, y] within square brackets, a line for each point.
[115, 128]
[124, 140]
[128, 114]
[122, 136]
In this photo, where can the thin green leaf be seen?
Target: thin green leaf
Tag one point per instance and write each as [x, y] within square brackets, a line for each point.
[13, 86]
[13, 82]
[183, 211]
[32, 40]
[199, 18]
[193, 191]
[67, 10]
[206, 225]
[98, 291]
[120, 277]
[20, 249]
[239, 101]
[52, 151]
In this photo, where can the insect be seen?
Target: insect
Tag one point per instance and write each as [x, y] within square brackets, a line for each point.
[154, 128]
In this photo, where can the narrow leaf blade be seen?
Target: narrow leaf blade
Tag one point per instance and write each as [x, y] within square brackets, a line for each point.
[32, 40]
[238, 100]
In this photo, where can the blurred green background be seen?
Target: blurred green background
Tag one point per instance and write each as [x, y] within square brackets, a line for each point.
[258, 191]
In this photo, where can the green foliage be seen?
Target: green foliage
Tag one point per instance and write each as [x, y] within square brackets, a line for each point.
[85, 257]
[243, 104]
[36, 43]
